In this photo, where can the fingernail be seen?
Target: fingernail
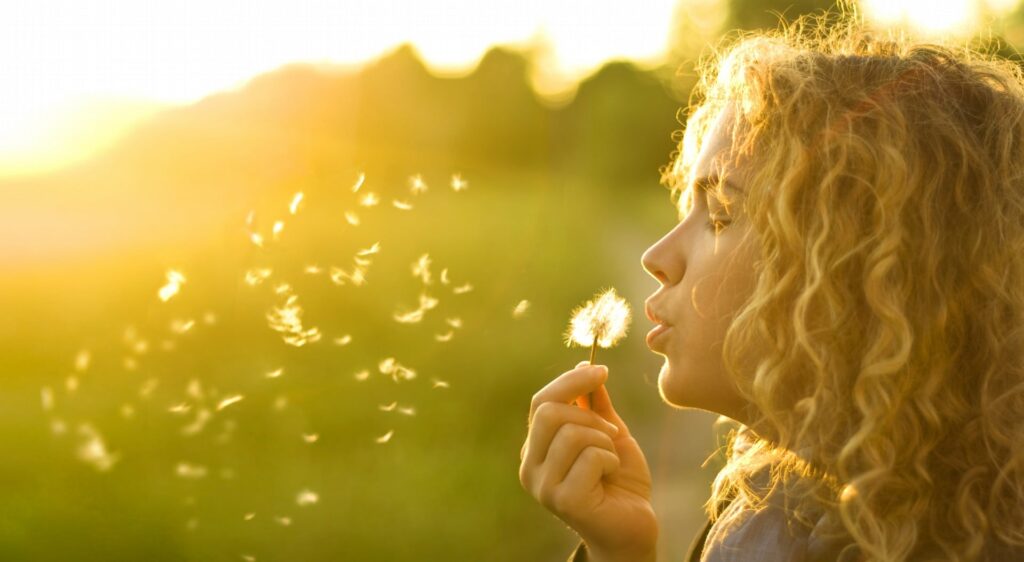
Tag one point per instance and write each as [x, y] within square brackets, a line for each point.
[613, 427]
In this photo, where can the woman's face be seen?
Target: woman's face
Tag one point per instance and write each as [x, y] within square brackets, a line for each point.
[704, 277]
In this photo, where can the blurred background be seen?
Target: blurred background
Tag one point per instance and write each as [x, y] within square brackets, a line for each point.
[280, 279]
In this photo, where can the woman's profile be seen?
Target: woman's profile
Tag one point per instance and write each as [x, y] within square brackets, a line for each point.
[846, 283]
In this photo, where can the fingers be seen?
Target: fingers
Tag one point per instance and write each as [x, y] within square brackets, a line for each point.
[593, 464]
[603, 407]
[567, 386]
[548, 419]
[567, 448]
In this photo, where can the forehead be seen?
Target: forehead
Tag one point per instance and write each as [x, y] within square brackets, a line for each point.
[713, 161]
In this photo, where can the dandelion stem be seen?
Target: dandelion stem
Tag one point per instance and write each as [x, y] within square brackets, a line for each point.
[593, 351]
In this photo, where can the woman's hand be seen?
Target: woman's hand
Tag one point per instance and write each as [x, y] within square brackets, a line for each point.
[585, 467]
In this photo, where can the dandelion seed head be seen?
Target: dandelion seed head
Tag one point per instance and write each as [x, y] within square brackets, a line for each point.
[604, 318]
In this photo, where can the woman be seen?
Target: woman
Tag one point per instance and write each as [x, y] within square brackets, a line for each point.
[847, 283]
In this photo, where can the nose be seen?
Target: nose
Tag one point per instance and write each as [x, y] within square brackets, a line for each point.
[664, 259]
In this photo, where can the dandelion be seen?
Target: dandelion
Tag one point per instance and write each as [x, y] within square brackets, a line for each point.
[294, 206]
[462, 289]
[386, 437]
[307, 497]
[416, 184]
[369, 199]
[520, 309]
[602, 321]
[276, 230]
[403, 205]
[458, 184]
[352, 218]
[359, 182]
[310, 437]
[174, 281]
[421, 268]
[229, 401]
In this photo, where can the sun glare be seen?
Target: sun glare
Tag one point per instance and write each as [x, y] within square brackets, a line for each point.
[82, 74]
[955, 17]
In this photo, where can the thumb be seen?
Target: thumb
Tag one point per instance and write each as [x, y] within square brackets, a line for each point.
[604, 408]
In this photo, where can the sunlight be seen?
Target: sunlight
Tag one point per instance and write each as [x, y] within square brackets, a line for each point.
[958, 17]
[86, 73]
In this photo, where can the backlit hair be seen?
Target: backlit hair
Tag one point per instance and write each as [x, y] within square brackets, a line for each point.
[885, 335]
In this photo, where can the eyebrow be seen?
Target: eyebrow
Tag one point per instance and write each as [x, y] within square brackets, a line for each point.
[704, 181]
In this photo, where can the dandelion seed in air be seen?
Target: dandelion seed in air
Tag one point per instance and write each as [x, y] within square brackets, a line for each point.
[190, 471]
[447, 336]
[310, 437]
[352, 218]
[283, 521]
[93, 449]
[174, 281]
[417, 185]
[386, 437]
[407, 411]
[458, 184]
[256, 239]
[313, 269]
[444, 276]
[249, 516]
[520, 309]
[71, 383]
[462, 289]
[278, 227]
[402, 205]
[307, 497]
[229, 401]
[375, 248]
[294, 206]
[601, 321]
[359, 182]
[454, 322]
[179, 326]
[257, 275]
[421, 268]
[388, 407]
[369, 199]
[362, 375]
[275, 373]
[248, 558]
[343, 340]
[82, 360]
[46, 397]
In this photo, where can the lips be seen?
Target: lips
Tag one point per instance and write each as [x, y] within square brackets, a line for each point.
[652, 315]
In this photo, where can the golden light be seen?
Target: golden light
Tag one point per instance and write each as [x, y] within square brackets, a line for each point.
[80, 75]
[956, 17]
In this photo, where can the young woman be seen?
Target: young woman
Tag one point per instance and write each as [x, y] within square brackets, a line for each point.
[846, 282]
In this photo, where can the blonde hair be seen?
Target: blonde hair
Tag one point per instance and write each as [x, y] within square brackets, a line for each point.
[886, 198]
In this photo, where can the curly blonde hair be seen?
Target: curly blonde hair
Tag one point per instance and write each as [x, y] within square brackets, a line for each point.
[886, 197]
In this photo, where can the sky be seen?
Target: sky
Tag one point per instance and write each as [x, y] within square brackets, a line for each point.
[79, 74]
